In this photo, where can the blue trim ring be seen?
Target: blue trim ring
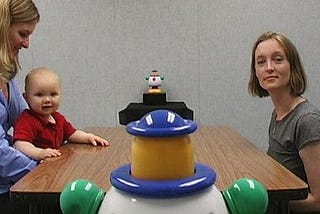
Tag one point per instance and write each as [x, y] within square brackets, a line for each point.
[161, 123]
[203, 178]
[134, 129]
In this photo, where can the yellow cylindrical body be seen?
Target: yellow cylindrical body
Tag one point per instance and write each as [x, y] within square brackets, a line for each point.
[162, 158]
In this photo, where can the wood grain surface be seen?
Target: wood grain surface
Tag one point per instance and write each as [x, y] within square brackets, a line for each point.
[223, 149]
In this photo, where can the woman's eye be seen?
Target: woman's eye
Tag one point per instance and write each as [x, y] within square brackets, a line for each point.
[279, 59]
[260, 62]
[23, 34]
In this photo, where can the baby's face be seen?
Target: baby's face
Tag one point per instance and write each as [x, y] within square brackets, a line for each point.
[43, 93]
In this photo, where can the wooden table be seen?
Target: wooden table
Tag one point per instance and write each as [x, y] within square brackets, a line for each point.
[223, 149]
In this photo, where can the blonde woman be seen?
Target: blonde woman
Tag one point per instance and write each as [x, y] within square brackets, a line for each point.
[18, 20]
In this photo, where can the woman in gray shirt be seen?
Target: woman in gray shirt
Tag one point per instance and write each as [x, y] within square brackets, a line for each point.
[294, 130]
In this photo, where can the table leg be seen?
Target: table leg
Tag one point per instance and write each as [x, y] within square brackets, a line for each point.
[278, 207]
[35, 209]
[44, 209]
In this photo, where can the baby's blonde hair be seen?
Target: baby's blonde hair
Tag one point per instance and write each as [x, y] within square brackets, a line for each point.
[39, 70]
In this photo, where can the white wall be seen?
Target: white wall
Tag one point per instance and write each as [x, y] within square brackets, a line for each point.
[103, 50]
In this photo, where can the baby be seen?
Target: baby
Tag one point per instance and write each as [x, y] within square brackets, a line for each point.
[41, 130]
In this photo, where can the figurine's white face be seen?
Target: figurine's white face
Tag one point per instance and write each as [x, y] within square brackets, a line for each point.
[208, 201]
[154, 80]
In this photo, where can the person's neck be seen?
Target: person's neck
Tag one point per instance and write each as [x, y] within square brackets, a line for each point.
[285, 103]
[51, 119]
[4, 88]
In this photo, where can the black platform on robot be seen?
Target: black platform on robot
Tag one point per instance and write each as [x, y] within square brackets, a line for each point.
[135, 111]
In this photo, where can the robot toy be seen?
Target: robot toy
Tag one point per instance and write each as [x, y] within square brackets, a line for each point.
[163, 178]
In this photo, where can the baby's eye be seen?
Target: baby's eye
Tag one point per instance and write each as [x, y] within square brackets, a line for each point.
[38, 94]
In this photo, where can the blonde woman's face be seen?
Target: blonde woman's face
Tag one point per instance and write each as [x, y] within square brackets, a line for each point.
[19, 36]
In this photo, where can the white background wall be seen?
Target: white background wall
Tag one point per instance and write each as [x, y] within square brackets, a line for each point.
[103, 50]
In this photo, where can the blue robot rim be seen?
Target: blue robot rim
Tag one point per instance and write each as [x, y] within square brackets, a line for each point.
[203, 178]
[161, 123]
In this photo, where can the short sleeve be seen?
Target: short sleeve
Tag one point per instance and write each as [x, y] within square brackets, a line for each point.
[24, 129]
[68, 128]
[308, 129]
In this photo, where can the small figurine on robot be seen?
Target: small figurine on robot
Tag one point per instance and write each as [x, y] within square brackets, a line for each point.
[155, 81]
[163, 178]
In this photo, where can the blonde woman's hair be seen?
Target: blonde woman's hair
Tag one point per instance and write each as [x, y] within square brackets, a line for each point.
[13, 12]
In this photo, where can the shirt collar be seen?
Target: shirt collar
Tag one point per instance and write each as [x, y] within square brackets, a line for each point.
[43, 119]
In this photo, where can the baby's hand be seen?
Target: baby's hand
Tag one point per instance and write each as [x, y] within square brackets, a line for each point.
[95, 140]
[47, 153]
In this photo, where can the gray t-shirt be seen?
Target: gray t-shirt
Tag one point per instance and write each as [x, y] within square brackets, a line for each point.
[286, 137]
